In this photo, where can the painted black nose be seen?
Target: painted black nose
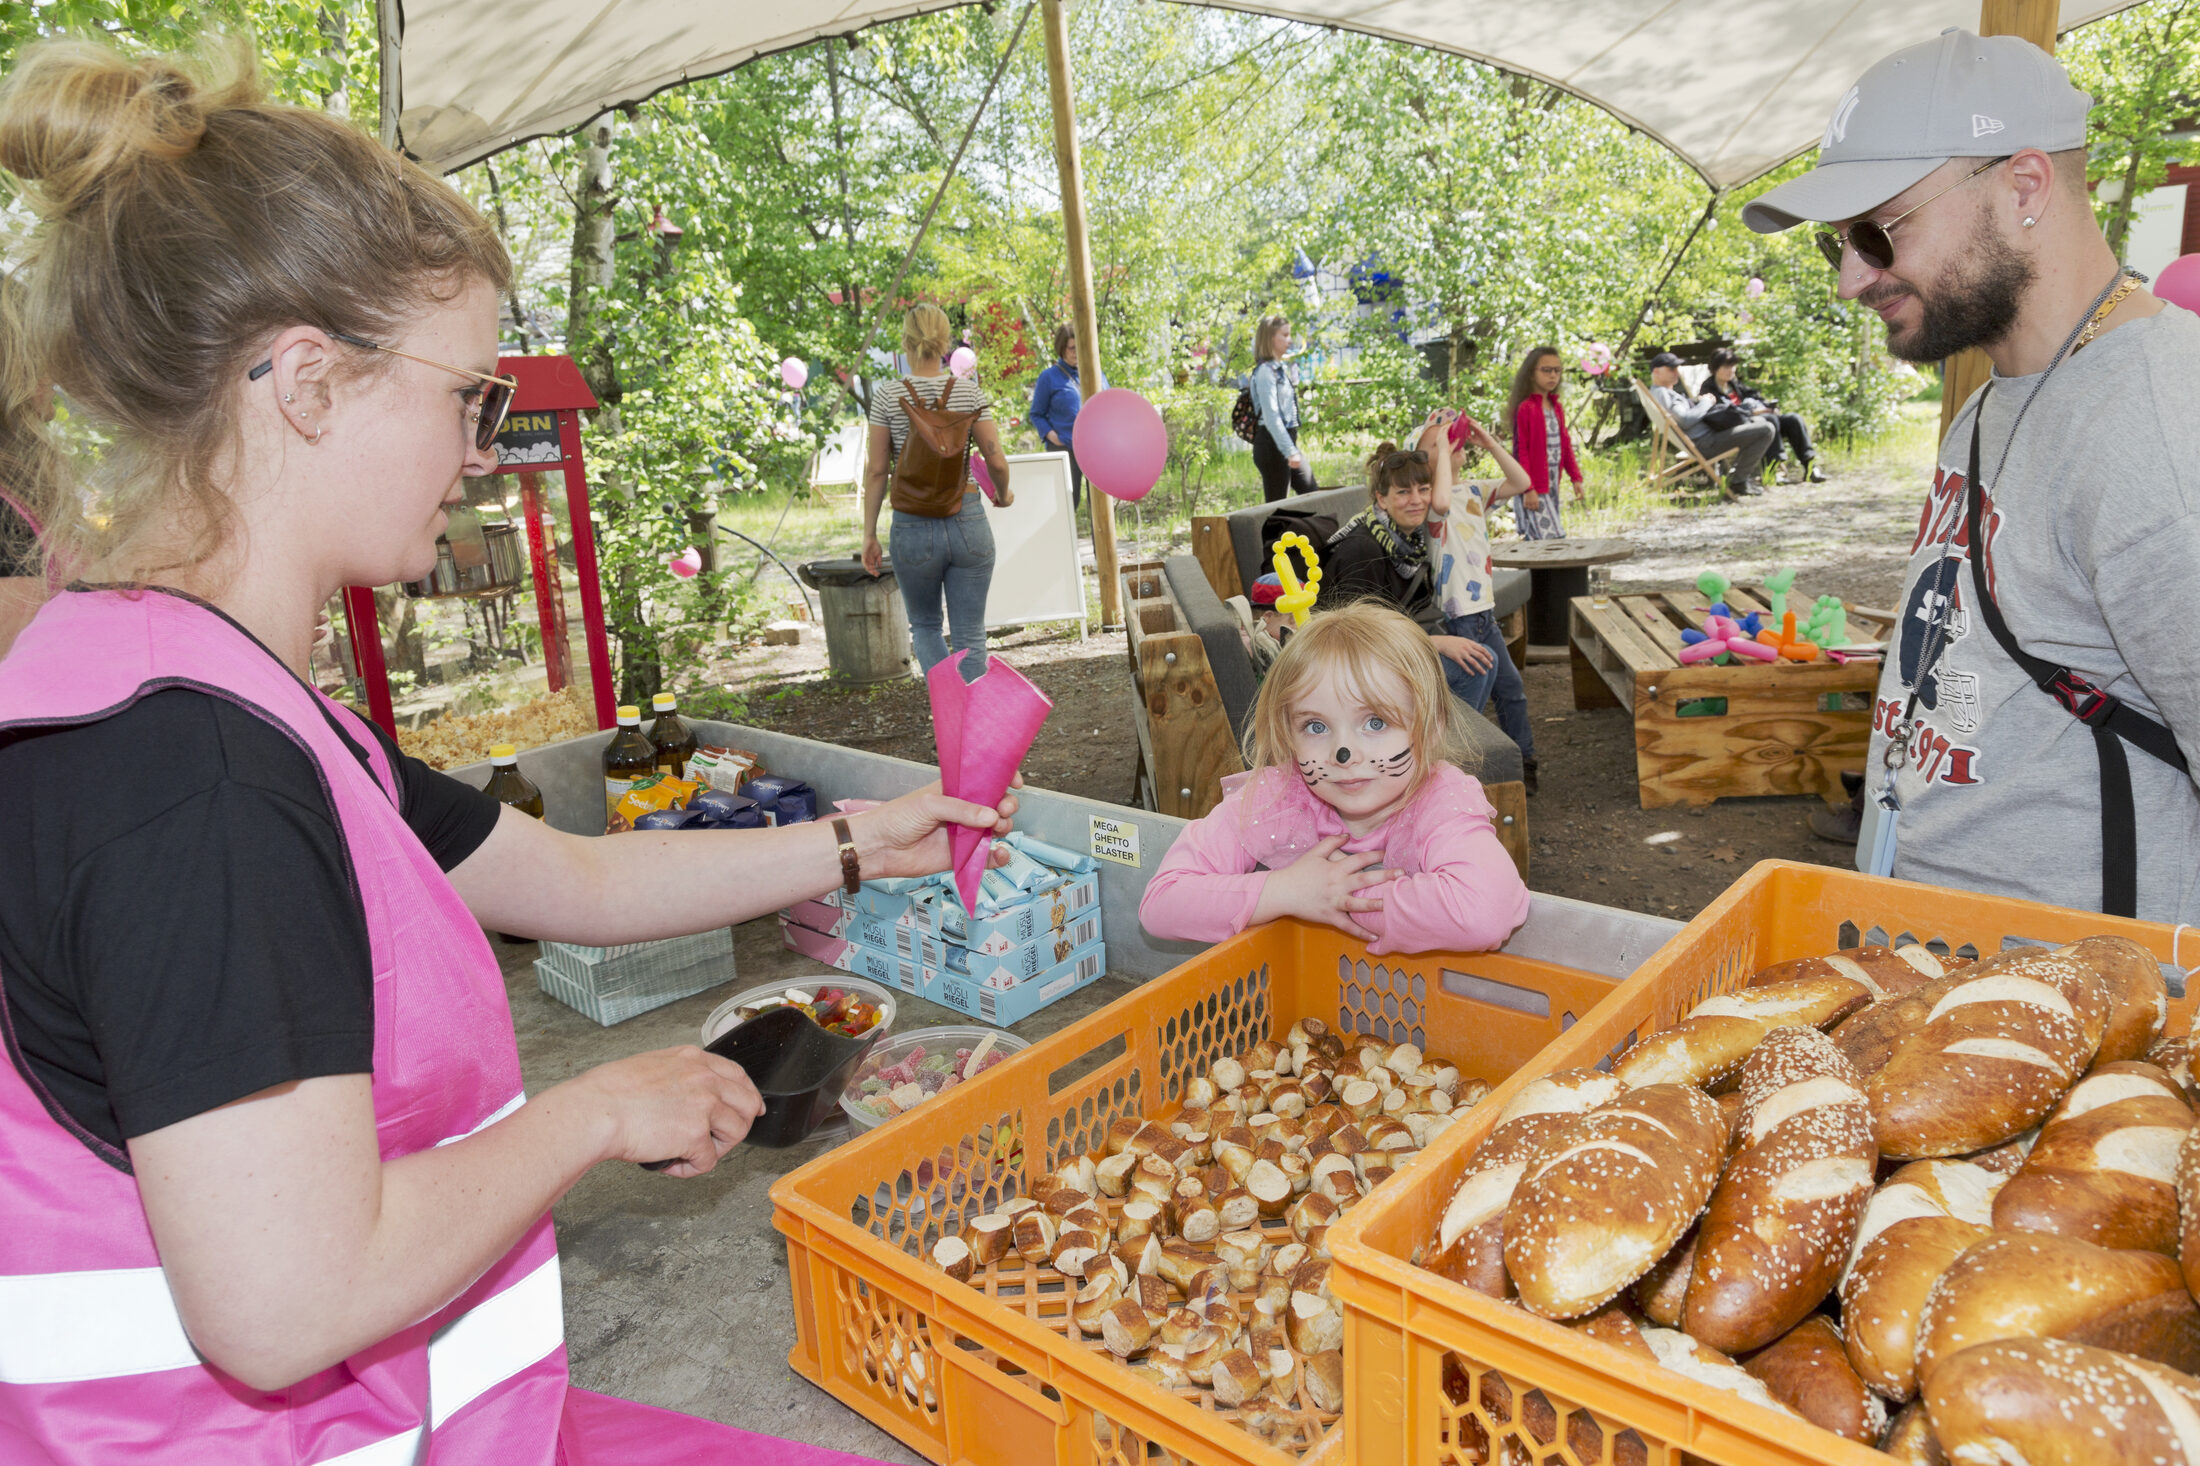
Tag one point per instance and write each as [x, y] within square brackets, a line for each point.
[1344, 755]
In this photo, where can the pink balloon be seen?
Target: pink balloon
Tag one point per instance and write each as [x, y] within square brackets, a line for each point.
[963, 362]
[795, 372]
[687, 564]
[1122, 445]
[2179, 282]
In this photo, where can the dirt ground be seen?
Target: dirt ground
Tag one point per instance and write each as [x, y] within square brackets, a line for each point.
[1592, 840]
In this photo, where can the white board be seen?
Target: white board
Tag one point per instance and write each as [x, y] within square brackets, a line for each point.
[840, 461]
[1035, 571]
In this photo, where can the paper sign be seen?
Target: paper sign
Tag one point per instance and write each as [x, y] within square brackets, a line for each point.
[1115, 840]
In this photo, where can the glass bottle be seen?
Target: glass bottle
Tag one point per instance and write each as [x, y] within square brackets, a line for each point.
[507, 785]
[669, 733]
[627, 757]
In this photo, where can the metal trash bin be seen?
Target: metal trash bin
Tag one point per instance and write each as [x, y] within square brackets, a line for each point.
[866, 632]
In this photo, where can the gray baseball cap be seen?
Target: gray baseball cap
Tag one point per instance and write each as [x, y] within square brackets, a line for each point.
[1956, 96]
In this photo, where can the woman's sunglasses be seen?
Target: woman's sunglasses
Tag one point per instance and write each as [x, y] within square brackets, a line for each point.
[1873, 242]
[488, 414]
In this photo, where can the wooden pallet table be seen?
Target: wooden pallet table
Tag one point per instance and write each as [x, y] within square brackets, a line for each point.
[1705, 732]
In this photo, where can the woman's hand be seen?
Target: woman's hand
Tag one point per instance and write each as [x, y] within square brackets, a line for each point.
[908, 836]
[1322, 885]
[1480, 437]
[682, 1105]
[1295, 461]
[1471, 655]
[1533, 500]
[1579, 496]
[872, 554]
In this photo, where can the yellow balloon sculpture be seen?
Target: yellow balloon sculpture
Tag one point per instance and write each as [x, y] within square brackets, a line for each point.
[1297, 598]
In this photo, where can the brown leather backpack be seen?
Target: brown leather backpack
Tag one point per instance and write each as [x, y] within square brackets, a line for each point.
[935, 458]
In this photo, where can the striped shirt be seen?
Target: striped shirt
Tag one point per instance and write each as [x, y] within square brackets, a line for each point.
[887, 409]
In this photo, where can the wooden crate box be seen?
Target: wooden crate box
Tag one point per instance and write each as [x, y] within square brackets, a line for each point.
[1706, 732]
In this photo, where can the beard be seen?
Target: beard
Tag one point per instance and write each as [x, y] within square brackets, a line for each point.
[1974, 303]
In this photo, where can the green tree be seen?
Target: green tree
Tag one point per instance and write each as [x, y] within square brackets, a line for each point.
[2143, 68]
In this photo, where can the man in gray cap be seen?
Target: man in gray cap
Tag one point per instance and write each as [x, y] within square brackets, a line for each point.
[2044, 683]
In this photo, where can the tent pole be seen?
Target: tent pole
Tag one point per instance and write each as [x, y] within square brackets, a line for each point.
[1967, 371]
[389, 31]
[1080, 288]
[1642, 317]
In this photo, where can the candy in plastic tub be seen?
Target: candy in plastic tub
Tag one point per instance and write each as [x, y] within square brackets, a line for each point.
[904, 1071]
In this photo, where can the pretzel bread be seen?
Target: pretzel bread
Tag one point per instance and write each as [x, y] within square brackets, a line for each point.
[1469, 1246]
[1807, 1371]
[1994, 1056]
[2032, 1285]
[1958, 1189]
[1888, 971]
[1884, 1296]
[1868, 1037]
[2138, 997]
[1593, 1215]
[1709, 1046]
[2049, 1403]
[2105, 1167]
[1781, 1221]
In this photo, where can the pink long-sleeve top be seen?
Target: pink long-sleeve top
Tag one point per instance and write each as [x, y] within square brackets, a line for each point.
[1457, 890]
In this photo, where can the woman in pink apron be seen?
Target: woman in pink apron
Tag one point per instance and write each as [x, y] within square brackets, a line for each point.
[270, 1188]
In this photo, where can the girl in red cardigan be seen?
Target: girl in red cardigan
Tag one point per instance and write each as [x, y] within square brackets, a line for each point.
[1542, 444]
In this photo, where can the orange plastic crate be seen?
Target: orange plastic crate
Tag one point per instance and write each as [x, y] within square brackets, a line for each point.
[1537, 1391]
[966, 1377]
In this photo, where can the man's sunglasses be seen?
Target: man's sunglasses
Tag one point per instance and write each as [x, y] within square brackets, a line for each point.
[488, 414]
[1873, 242]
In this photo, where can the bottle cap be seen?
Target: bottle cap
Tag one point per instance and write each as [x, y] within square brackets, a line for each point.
[503, 753]
[664, 702]
[630, 714]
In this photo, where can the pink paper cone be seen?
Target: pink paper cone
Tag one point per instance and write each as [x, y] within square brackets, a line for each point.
[983, 729]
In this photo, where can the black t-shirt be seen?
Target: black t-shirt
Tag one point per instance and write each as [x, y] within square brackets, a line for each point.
[179, 924]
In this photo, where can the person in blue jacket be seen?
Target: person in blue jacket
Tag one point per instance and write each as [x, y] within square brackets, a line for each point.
[1055, 401]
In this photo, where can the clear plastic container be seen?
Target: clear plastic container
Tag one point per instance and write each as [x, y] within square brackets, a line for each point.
[722, 1017]
[947, 1039]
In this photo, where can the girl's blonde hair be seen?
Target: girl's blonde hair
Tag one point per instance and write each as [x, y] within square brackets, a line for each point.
[184, 222]
[925, 331]
[1376, 650]
[1264, 337]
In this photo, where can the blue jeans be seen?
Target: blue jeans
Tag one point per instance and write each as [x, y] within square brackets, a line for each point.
[1501, 680]
[948, 558]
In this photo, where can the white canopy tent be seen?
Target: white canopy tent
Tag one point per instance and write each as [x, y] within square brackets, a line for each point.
[1733, 87]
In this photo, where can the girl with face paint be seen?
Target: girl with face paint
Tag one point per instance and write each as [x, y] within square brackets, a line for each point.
[1356, 814]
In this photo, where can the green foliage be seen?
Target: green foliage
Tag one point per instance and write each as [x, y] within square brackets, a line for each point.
[2143, 68]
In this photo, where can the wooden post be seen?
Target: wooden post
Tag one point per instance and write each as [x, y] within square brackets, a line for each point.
[1967, 371]
[1080, 283]
[387, 39]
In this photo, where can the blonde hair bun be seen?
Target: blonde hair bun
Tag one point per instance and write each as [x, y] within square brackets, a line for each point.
[75, 113]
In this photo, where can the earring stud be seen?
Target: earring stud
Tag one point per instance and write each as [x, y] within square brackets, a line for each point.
[2029, 221]
[286, 397]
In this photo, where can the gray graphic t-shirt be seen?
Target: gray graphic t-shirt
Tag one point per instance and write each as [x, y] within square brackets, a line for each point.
[2092, 547]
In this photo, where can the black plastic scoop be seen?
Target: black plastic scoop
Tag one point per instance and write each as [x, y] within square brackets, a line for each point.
[799, 1068]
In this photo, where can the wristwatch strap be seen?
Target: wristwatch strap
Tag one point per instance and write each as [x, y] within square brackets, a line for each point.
[851, 868]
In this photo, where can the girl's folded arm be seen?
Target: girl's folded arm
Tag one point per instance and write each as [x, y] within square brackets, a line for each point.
[1207, 885]
[1468, 896]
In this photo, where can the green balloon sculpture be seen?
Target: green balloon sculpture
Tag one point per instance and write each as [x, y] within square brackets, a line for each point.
[1779, 582]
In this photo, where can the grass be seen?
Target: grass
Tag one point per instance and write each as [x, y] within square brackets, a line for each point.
[822, 526]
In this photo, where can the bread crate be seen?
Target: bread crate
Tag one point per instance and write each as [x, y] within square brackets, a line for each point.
[613, 984]
[983, 1372]
[1439, 1375]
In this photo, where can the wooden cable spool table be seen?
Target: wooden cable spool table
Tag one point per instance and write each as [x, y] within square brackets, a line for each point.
[1706, 732]
[1559, 571]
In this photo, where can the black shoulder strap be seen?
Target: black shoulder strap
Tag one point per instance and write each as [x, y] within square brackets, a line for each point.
[2114, 722]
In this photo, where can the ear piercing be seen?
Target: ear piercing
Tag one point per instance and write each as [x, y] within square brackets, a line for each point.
[2029, 221]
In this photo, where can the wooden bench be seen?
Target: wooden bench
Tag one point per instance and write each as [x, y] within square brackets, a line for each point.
[1185, 742]
[1705, 732]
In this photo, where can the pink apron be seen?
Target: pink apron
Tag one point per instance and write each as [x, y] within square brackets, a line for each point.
[94, 1362]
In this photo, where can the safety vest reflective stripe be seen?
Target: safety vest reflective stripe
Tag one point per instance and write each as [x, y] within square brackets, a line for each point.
[502, 1110]
[397, 1450]
[59, 1328]
[494, 1340]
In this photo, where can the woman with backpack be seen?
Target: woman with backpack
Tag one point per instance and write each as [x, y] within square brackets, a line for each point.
[921, 432]
[1273, 391]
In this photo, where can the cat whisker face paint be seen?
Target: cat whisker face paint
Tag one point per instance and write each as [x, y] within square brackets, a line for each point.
[1353, 747]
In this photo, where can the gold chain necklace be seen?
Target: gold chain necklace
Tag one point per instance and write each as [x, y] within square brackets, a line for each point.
[2106, 309]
